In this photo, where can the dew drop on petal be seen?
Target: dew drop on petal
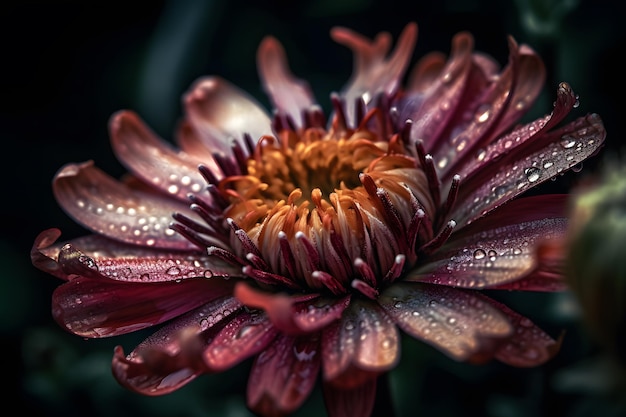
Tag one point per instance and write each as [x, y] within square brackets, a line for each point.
[532, 174]
[479, 254]
[568, 142]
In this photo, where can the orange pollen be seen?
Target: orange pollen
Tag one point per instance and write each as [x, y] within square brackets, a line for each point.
[317, 203]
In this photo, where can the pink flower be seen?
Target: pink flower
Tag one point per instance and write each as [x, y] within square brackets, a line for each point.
[316, 245]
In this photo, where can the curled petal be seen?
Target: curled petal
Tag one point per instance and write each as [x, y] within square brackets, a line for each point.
[170, 358]
[373, 72]
[578, 141]
[457, 322]
[294, 314]
[156, 374]
[245, 335]
[501, 248]
[534, 133]
[219, 112]
[431, 110]
[152, 160]
[45, 259]
[112, 209]
[289, 94]
[102, 307]
[283, 375]
[364, 343]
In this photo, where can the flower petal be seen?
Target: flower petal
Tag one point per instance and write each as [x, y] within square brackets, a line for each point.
[578, 141]
[289, 95]
[103, 307]
[364, 343]
[459, 323]
[373, 72]
[153, 160]
[534, 133]
[245, 335]
[293, 314]
[485, 110]
[432, 109]
[98, 256]
[112, 209]
[220, 112]
[283, 375]
[45, 259]
[170, 358]
[499, 248]
[358, 401]
[528, 345]
[157, 373]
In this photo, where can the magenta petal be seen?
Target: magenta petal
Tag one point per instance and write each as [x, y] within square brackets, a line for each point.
[103, 307]
[528, 345]
[97, 256]
[499, 249]
[364, 343]
[529, 170]
[245, 335]
[432, 109]
[283, 375]
[157, 373]
[293, 314]
[457, 322]
[289, 94]
[153, 160]
[112, 209]
[43, 255]
[172, 357]
[350, 402]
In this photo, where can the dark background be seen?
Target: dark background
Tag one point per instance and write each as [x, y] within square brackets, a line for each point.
[67, 66]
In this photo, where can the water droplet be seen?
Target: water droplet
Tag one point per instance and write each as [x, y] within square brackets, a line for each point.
[479, 254]
[568, 142]
[173, 271]
[547, 164]
[532, 174]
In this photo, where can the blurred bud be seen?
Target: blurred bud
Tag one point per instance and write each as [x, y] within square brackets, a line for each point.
[596, 263]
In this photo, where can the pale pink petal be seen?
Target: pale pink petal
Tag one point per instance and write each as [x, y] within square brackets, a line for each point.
[375, 73]
[244, 336]
[350, 402]
[289, 95]
[283, 375]
[363, 344]
[104, 307]
[112, 209]
[153, 160]
[190, 142]
[458, 322]
[221, 113]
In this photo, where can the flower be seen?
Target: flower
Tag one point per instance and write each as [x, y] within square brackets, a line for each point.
[313, 246]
